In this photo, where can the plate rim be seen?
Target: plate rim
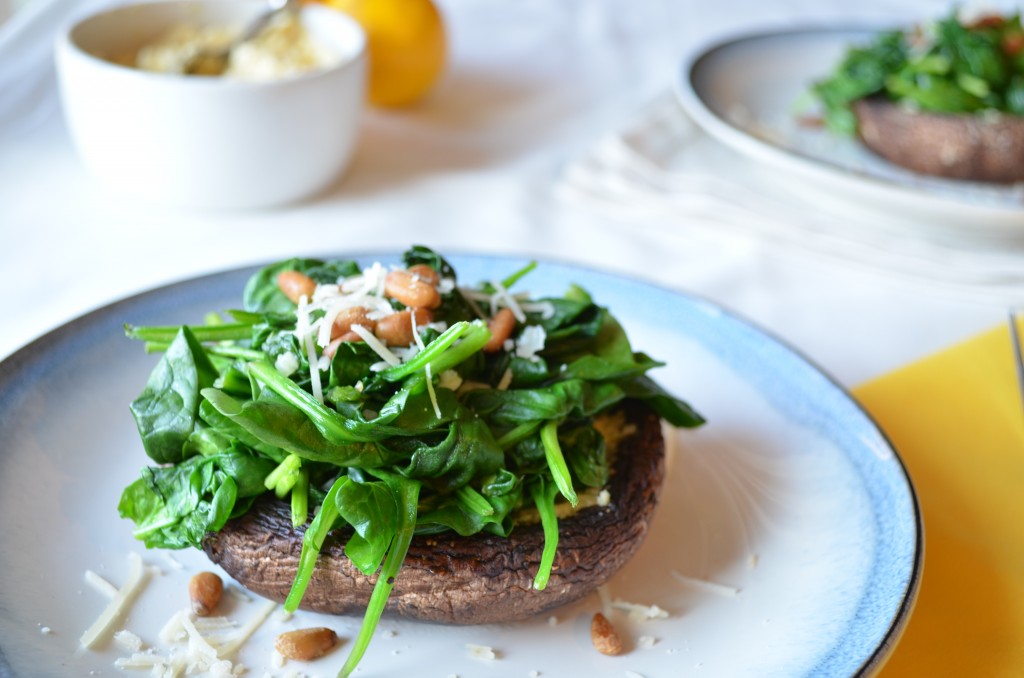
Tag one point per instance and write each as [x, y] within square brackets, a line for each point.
[28, 356]
[806, 166]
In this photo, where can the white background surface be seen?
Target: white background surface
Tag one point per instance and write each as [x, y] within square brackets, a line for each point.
[530, 86]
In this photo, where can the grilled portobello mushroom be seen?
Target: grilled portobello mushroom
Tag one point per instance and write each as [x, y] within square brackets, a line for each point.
[942, 98]
[956, 146]
[478, 579]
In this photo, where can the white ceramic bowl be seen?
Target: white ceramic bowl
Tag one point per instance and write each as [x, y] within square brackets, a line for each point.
[209, 142]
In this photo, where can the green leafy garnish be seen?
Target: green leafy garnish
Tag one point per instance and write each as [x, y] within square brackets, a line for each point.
[451, 438]
[942, 67]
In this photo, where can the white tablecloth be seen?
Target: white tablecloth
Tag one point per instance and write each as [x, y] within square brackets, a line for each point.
[531, 86]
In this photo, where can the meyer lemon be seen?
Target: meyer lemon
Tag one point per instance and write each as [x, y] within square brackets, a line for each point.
[406, 44]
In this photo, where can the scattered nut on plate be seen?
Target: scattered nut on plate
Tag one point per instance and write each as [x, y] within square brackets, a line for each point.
[306, 644]
[604, 636]
[205, 590]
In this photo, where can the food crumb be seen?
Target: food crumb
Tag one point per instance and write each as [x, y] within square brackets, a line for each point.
[638, 612]
[552, 621]
[534, 674]
[276, 659]
[390, 633]
[604, 497]
[45, 630]
[753, 560]
[128, 641]
[481, 651]
[646, 642]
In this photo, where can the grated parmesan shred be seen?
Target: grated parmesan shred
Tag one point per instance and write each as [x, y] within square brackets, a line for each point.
[502, 298]
[431, 392]
[705, 585]
[128, 641]
[375, 344]
[118, 605]
[640, 612]
[100, 585]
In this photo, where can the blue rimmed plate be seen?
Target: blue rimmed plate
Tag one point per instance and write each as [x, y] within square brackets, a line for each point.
[788, 541]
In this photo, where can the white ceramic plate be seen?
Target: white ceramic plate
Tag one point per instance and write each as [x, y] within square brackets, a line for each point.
[747, 91]
[790, 505]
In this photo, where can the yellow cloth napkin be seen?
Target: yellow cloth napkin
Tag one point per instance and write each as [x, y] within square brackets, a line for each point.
[957, 420]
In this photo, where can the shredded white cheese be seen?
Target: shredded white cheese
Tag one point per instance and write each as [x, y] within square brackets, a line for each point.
[503, 298]
[481, 652]
[198, 645]
[530, 342]
[431, 392]
[286, 364]
[640, 612]
[450, 379]
[172, 630]
[704, 585]
[375, 344]
[118, 604]
[230, 647]
[545, 308]
[506, 380]
[128, 641]
[304, 333]
[100, 585]
[646, 642]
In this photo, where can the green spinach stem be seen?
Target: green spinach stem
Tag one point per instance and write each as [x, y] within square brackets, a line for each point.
[544, 498]
[166, 333]
[408, 495]
[312, 542]
[556, 461]
[300, 499]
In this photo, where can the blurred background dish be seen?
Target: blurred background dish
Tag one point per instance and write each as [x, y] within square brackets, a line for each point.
[747, 91]
[210, 142]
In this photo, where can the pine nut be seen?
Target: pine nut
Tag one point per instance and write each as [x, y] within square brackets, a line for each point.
[295, 284]
[357, 315]
[604, 636]
[411, 290]
[204, 590]
[426, 274]
[501, 326]
[306, 644]
[396, 329]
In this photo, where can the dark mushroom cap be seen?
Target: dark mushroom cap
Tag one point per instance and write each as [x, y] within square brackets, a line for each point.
[463, 580]
[971, 147]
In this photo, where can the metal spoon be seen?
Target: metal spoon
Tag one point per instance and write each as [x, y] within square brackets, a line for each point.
[215, 61]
